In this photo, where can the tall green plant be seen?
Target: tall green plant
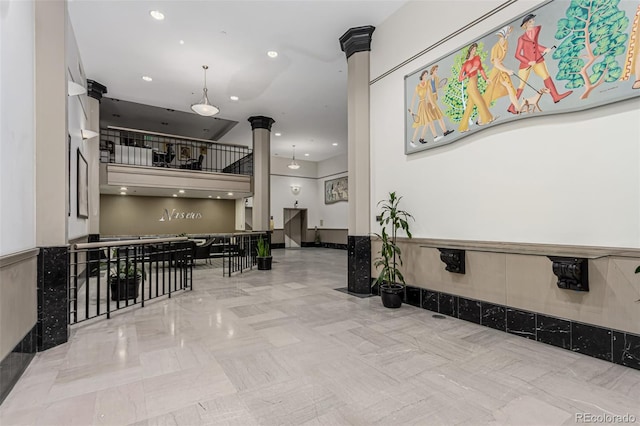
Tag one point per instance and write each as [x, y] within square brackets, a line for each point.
[262, 248]
[395, 219]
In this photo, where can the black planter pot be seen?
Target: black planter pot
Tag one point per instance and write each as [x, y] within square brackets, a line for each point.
[124, 289]
[391, 295]
[264, 263]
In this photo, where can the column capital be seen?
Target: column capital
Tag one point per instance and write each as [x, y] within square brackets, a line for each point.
[261, 122]
[95, 89]
[357, 39]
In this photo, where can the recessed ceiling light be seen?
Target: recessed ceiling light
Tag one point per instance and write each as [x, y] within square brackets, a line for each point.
[210, 196]
[147, 78]
[175, 195]
[181, 191]
[123, 193]
[306, 155]
[234, 98]
[218, 197]
[230, 194]
[181, 41]
[272, 54]
[335, 144]
[156, 14]
[123, 188]
[278, 134]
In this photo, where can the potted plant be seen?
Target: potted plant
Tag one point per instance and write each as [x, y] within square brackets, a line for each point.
[390, 280]
[263, 254]
[125, 281]
[316, 237]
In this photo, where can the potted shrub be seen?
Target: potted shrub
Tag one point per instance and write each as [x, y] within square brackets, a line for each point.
[125, 281]
[390, 280]
[263, 254]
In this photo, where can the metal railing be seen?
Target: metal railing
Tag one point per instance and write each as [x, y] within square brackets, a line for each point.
[107, 276]
[234, 252]
[140, 148]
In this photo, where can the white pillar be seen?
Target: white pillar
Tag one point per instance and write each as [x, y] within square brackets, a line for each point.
[261, 211]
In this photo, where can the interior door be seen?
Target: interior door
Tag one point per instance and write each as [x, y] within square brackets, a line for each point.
[294, 227]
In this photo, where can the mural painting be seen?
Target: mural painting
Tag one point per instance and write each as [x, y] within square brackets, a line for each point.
[561, 57]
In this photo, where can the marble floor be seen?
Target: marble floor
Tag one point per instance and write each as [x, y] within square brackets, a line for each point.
[283, 347]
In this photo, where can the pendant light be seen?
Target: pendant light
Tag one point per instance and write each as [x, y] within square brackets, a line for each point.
[293, 165]
[204, 107]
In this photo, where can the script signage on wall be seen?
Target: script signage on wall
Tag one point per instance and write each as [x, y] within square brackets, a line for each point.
[168, 216]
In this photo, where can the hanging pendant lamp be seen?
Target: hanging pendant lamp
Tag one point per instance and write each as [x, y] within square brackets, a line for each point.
[293, 165]
[204, 107]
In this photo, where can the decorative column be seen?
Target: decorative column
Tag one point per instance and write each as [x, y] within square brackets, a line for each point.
[51, 183]
[261, 211]
[356, 44]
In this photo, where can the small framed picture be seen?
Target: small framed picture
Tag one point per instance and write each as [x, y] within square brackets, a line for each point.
[185, 152]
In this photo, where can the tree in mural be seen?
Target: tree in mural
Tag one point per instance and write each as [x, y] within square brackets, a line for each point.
[594, 35]
[455, 96]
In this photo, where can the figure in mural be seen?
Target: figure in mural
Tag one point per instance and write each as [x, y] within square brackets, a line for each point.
[594, 34]
[433, 110]
[500, 76]
[531, 56]
[421, 119]
[632, 64]
[470, 69]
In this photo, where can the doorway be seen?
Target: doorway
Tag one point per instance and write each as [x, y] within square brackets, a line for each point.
[295, 227]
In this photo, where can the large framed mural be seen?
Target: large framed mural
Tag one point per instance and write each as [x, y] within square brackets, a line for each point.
[563, 56]
[336, 190]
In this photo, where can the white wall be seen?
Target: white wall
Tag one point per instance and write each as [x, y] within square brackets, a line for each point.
[332, 215]
[17, 134]
[78, 110]
[310, 178]
[566, 179]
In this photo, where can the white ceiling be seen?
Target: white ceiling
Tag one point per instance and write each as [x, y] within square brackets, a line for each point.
[303, 89]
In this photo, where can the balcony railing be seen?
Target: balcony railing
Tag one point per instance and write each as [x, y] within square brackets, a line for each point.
[139, 148]
[108, 276]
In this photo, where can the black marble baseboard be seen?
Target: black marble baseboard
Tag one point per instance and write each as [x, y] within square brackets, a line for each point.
[604, 343]
[14, 364]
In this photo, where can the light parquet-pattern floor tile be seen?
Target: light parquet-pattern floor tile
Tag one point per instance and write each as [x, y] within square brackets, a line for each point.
[282, 347]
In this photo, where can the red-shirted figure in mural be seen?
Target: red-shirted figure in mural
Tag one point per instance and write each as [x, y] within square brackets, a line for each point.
[471, 67]
[531, 56]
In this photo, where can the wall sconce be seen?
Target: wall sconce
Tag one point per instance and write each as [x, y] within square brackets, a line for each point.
[295, 189]
[88, 134]
[75, 89]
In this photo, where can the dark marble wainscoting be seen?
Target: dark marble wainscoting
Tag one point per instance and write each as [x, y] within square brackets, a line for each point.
[53, 304]
[14, 364]
[553, 331]
[359, 264]
[604, 343]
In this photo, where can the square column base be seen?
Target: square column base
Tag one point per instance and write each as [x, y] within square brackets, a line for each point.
[359, 264]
